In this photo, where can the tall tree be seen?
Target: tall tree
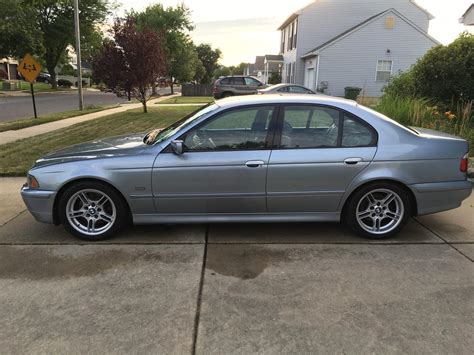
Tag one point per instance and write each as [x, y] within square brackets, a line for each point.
[174, 23]
[132, 60]
[209, 58]
[18, 34]
[49, 25]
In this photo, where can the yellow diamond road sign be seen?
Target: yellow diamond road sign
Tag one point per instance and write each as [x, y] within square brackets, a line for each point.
[29, 68]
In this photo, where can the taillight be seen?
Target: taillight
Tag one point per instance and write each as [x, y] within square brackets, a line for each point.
[214, 89]
[464, 163]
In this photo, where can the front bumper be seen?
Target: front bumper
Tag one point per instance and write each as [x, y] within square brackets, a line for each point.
[40, 203]
[440, 196]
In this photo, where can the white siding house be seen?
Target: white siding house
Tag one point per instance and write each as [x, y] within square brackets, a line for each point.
[468, 18]
[341, 43]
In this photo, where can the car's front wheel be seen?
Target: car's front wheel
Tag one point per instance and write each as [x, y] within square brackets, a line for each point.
[92, 211]
[378, 210]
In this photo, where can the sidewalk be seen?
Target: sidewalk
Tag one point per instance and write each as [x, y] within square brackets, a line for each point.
[11, 136]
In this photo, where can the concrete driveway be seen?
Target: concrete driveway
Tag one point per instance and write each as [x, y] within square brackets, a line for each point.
[265, 288]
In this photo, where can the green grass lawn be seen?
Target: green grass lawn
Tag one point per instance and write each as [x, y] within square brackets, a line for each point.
[19, 124]
[188, 100]
[41, 87]
[17, 157]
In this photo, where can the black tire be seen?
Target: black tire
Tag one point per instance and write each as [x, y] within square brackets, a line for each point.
[121, 210]
[350, 210]
[227, 94]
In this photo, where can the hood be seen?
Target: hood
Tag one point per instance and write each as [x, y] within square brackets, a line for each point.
[107, 147]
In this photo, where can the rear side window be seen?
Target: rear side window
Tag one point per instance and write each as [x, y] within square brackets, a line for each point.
[313, 126]
[356, 133]
[310, 127]
[238, 81]
[225, 81]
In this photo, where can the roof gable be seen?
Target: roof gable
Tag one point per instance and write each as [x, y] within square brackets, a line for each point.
[294, 15]
[362, 25]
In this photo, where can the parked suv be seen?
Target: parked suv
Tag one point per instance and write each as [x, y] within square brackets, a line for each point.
[236, 85]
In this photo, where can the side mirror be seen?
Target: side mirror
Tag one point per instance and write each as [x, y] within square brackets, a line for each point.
[177, 146]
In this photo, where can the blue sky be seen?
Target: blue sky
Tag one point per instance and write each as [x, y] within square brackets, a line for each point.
[246, 28]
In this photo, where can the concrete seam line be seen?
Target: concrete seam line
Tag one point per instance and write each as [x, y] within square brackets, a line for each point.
[11, 219]
[197, 316]
[444, 240]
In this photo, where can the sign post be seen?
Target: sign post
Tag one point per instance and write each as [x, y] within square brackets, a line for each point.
[30, 69]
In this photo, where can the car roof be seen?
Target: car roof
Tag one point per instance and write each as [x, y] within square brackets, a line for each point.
[279, 99]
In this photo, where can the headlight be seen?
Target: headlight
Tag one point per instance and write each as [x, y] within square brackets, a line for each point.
[32, 182]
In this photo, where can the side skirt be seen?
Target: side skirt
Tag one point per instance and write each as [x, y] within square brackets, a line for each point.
[235, 218]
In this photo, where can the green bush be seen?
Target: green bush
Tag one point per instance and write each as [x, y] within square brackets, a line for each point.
[445, 74]
[401, 85]
[64, 83]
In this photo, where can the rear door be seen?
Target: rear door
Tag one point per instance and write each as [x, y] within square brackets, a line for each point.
[320, 150]
[238, 86]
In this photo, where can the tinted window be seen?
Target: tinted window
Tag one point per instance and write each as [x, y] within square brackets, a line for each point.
[298, 90]
[225, 81]
[356, 134]
[238, 81]
[283, 89]
[309, 127]
[242, 129]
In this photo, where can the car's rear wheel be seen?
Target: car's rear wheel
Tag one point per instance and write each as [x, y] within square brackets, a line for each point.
[227, 94]
[92, 211]
[378, 210]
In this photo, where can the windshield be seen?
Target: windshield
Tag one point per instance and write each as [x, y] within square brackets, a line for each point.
[159, 135]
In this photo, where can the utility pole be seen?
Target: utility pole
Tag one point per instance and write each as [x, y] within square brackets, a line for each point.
[78, 53]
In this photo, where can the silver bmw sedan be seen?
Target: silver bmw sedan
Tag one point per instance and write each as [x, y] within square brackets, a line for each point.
[255, 159]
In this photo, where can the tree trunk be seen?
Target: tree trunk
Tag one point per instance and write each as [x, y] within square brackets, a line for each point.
[172, 88]
[54, 83]
[129, 95]
[153, 89]
[145, 108]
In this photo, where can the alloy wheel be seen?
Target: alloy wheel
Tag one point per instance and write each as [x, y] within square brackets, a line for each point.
[91, 212]
[380, 211]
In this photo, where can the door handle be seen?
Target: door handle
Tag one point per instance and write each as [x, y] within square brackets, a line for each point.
[254, 163]
[352, 161]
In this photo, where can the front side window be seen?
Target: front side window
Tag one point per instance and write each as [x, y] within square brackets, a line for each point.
[251, 82]
[356, 134]
[240, 129]
[309, 127]
[384, 70]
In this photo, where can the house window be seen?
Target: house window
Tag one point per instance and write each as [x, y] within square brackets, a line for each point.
[295, 36]
[384, 70]
[283, 35]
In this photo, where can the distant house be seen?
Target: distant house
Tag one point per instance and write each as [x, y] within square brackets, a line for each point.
[264, 67]
[9, 67]
[332, 44]
[468, 18]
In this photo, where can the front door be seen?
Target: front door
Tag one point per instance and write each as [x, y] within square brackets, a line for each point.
[322, 149]
[223, 168]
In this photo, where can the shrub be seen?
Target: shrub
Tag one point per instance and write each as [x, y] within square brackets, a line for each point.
[64, 83]
[84, 83]
[275, 78]
[401, 85]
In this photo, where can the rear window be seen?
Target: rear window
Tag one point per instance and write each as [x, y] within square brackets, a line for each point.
[225, 81]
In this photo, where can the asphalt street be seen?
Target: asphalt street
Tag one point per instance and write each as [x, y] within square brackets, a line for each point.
[245, 288]
[19, 107]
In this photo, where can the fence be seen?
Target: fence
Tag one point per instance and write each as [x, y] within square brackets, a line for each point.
[196, 90]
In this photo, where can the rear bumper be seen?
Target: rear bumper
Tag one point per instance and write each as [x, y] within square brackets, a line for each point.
[40, 203]
[440, 196]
